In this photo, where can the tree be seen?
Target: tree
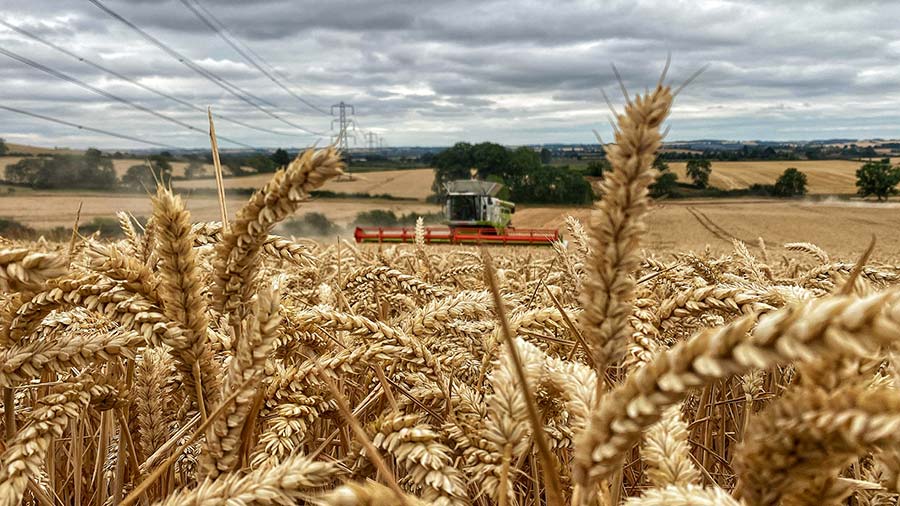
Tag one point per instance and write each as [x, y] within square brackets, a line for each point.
[491, 158]
[93, 155]
[452, 163]
[665, 181]
[3, 147]
[546, 156]
[660, 164]
[878, 179]
[195, 168]
[162, 166]
[281, 158]
[139, 178]
[664, 185]
[63, 171]
[597, 168]
[791, 183]
[698, 171]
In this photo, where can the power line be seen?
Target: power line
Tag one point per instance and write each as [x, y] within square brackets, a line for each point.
[221, 82]
[82, 84]
[132, 81]
[218, 29]
[248, 48]
[82, 127]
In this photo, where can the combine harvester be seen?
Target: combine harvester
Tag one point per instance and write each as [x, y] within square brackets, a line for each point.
[474, 215]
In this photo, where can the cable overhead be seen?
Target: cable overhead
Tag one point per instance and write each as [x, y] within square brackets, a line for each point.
[248, 48]
[133, 81]
[98, 91]
[82, 127]
[221, 82]
[222, 35]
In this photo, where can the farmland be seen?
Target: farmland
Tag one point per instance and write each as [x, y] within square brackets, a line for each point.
[407, 183]
[824, 176]
[837, 225]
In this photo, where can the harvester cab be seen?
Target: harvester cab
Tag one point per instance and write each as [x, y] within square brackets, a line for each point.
[473, 215]
[472, 203]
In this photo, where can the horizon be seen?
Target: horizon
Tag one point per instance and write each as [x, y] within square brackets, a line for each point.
[435, 74]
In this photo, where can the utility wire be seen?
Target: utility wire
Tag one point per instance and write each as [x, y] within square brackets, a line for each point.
[210, 76]
[219, 31]
[134, 82]
[82, 127]
[249, 49]
[82, 84]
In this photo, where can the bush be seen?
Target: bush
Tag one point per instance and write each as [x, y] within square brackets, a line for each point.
[791, 183]
[311, 225]
[376, 218]
[12, 229]
[384, 218]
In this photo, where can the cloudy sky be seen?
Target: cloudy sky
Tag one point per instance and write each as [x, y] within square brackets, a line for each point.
[432, 73]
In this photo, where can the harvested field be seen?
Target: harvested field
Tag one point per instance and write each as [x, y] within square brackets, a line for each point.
[52, 209]
[678, 225]
[825, 176]
[408, 183]
[839, 226]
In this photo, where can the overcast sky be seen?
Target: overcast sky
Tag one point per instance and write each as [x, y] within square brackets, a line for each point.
[433, 73]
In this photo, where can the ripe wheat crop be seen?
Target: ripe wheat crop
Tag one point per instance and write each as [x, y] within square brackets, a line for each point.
[210, 363]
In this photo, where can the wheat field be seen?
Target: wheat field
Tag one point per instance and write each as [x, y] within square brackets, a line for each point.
[215, 363]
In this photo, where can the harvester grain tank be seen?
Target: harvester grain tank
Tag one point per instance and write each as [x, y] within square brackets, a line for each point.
[474, 215]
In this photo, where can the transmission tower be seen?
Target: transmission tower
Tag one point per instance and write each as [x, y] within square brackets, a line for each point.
[371, 141]
[344, 122]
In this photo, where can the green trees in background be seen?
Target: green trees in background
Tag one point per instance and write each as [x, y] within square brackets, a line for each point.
[877, 178]
[698, 171]
[666, 181]
[139, 178]
[280, 158]
[455, 162]
[3, 147]
[597, 168]
[88, 172]
[791, 183]
[521, 170]
[546, 156]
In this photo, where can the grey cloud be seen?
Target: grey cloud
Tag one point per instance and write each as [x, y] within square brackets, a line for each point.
[510, 70]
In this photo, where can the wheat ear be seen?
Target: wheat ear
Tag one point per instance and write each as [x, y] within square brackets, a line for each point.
[290, 482]
[811, 434]
[181, 290]
[27, 450]
[237, 255]
[838, 325]
[617, 225]
[223, 440]
[667, 452]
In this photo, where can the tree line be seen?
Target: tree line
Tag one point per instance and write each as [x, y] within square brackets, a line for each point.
[526, 178]
[94, 171]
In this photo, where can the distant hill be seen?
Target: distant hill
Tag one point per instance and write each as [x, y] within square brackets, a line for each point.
[13, 148]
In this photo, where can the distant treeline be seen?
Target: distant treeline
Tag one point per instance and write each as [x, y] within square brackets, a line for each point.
[522, 171]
